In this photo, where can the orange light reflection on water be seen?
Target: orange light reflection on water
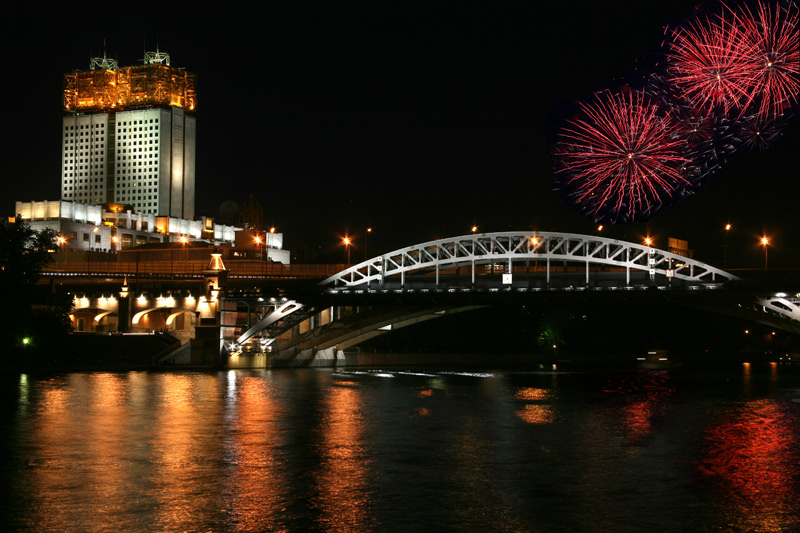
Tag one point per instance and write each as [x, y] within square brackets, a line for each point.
[343, 498]
[257, 483]
[185, 441]
[54, 433]
[107, 479]
[530, 393]
[535, 413]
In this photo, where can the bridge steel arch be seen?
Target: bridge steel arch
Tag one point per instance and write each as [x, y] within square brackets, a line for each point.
[506, 248]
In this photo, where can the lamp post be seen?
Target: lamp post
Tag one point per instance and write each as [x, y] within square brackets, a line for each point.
[369, 230]
[184, 240]
[62, 241]
[346, 242]
[533, 243]
[269, 239]
[765, 244]
[725, 245]
[258, 241]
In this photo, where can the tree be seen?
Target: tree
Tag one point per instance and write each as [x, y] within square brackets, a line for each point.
[27, 322]
[24, 252]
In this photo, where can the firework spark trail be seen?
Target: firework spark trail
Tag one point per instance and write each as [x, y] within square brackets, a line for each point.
[710, 62]
[771, 38]
[621, 159]
[725, 80]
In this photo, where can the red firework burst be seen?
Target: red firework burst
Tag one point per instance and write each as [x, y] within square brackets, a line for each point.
[771, 36]
[708, 61]
[620, 160]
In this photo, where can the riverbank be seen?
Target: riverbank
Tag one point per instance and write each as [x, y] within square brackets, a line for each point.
[101, 354]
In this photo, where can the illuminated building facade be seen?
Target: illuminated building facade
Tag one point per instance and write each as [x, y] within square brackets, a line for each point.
[129, 136]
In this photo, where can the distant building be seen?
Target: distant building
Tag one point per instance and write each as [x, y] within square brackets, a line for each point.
[129, 136]
[128, 166]
[107, 228]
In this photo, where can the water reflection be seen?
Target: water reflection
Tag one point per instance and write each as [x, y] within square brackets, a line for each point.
[642, 398]
[54, 451]
[321, 451]
[258, 484]
[751, 457]
[535, 413]
[185, 442]
[108, 474]
[342, 481]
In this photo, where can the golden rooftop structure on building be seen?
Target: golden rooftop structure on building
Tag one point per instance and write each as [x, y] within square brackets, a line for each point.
[107, 87]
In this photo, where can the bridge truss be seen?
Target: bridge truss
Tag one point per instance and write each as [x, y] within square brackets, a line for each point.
[510, 252]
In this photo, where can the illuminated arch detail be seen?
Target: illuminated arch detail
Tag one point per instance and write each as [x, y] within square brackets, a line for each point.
[178, 310]
[508, 247]
[140, 314]
[100, 316]
[171, 318]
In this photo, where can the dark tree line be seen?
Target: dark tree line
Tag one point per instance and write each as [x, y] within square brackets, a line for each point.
[32, 325]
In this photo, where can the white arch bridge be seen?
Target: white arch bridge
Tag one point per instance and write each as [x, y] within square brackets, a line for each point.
[447, 276]
[561, 258]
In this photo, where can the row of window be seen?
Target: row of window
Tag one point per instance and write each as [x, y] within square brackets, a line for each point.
[137, 122]
[83, 144]
[95, 180]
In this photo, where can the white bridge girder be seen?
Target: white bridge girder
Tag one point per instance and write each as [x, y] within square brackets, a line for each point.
[781, 305]
[506, 248]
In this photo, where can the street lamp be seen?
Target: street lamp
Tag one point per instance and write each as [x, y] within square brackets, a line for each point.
[62, 241]
[474, 229]
[765, 244]
[258, 241]
[269, 239]
[369, 230]
[346, 242]
[728, 228]
[184, 240]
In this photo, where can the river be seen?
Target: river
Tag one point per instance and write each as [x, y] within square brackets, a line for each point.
[403, 450]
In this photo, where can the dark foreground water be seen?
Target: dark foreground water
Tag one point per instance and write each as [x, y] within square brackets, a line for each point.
[321, 450]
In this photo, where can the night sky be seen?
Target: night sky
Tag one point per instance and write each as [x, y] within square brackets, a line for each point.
[417, 119]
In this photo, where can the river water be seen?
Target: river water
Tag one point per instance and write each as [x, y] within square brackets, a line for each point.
[403, 450]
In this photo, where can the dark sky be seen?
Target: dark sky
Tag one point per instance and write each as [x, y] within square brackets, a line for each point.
[418, 119]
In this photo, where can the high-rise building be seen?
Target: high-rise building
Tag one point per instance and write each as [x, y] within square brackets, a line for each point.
[129, 136]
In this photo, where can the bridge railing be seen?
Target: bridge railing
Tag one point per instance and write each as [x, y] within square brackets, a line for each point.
[502, 250]
[187, 268]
